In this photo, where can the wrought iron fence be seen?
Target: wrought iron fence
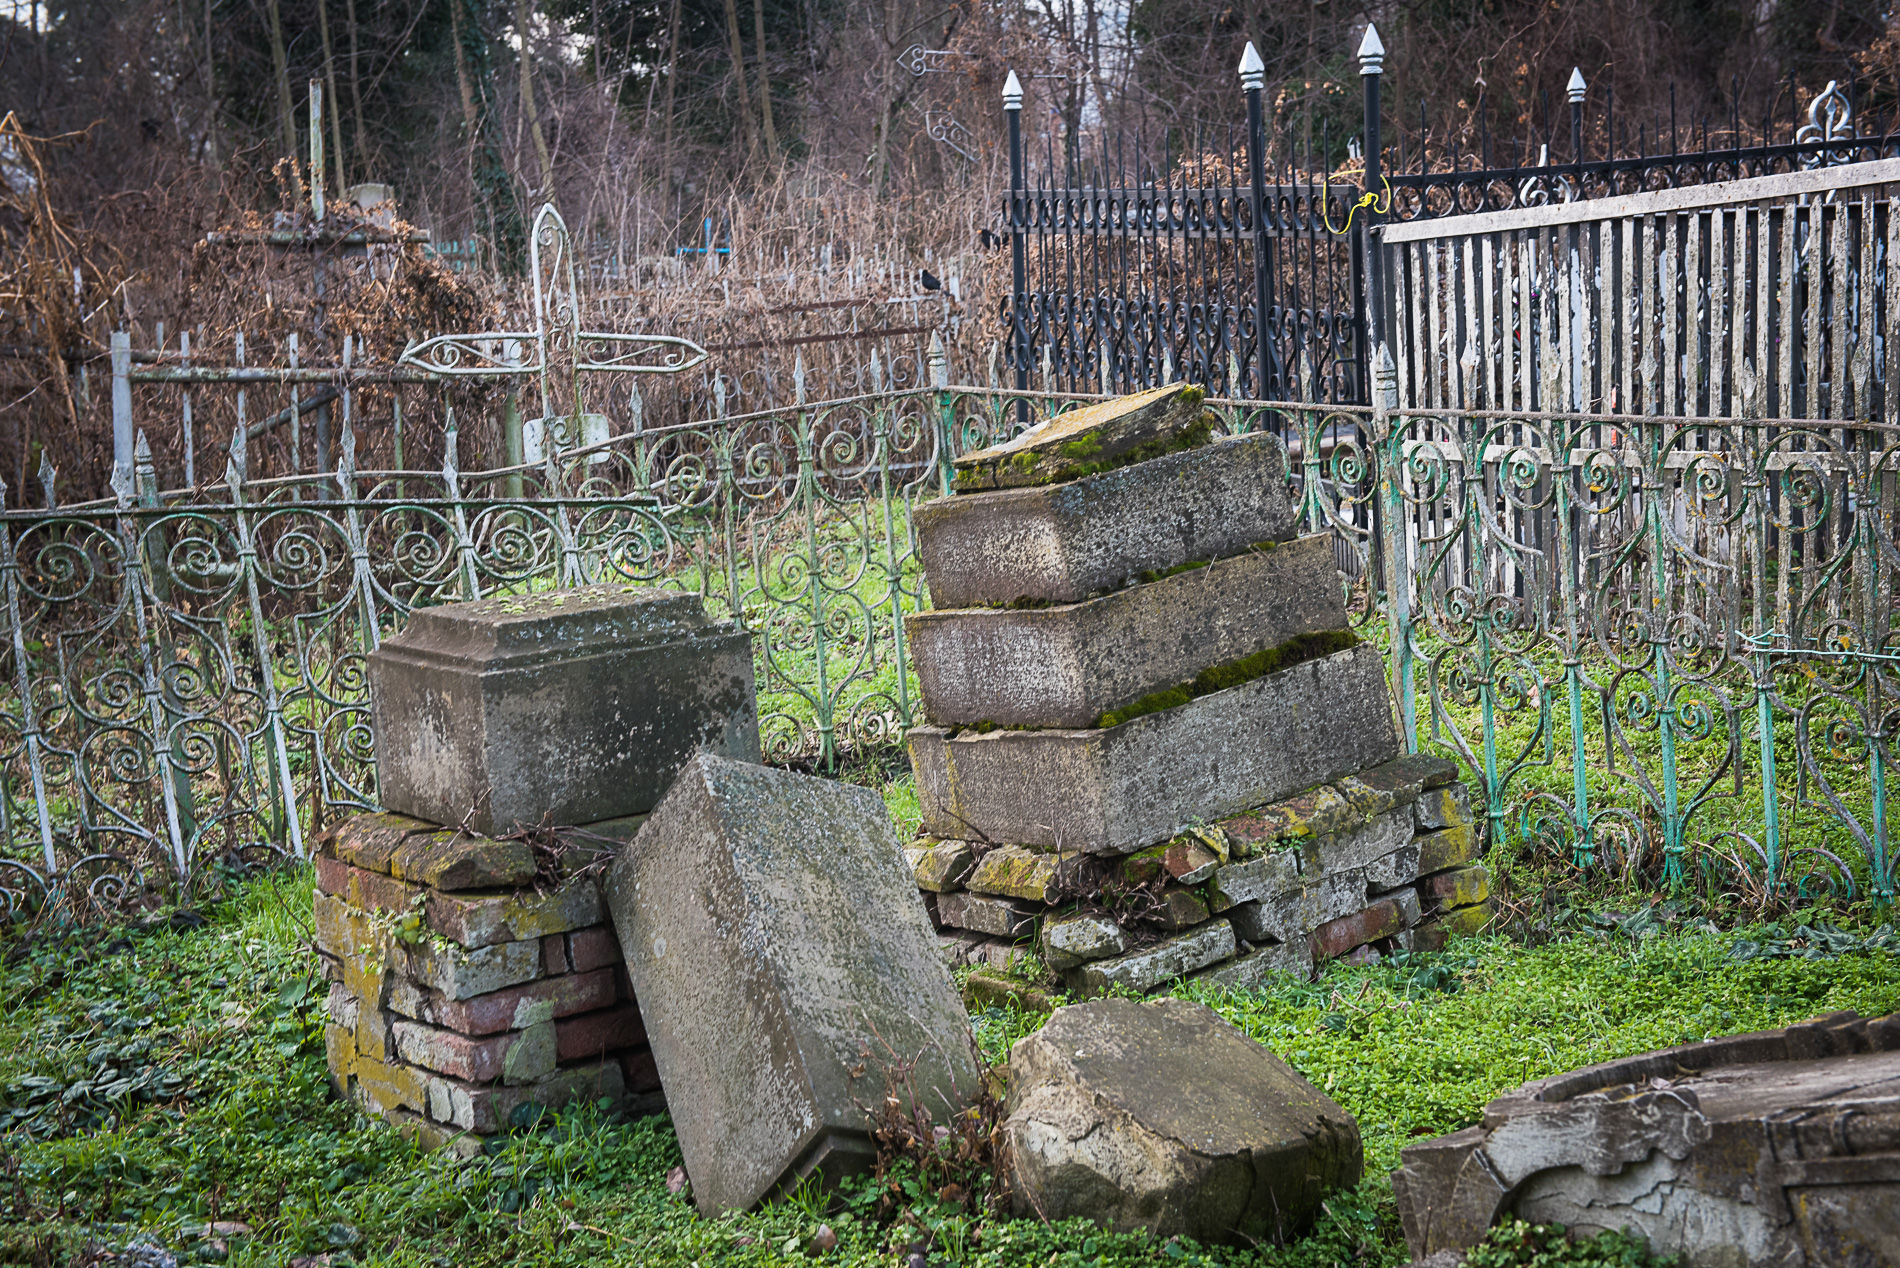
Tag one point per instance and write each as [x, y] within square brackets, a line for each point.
[1663, 646]
[1252, 260]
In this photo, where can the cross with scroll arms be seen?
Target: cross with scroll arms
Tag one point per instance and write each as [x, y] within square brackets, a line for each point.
[557, 351]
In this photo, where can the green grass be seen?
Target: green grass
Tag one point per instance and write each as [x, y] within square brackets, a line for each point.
[190, 1067]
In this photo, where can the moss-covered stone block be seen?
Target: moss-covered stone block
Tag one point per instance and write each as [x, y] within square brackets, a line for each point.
[1091, 440]
[1014, 872]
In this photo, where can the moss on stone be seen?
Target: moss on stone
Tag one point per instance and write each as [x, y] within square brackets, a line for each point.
[1298, 649]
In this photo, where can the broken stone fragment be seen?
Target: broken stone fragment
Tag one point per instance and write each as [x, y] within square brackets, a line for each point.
[782, 963]
[1189, 862]
[1395, 783]
[1065, 543]
[1072, 941]
[1447, 847]
[1447, 807]
[1160, 1115]
[979, 913]
[1778, 1147]
[1089, 440]
[1014, 872]
[1319, 811]
[1178, 909]
[942, 867]
[453, 861]
[1143, 970]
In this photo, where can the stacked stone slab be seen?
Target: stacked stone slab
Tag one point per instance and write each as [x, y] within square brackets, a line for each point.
[1155, 747]
[465, 990]
[474, 977]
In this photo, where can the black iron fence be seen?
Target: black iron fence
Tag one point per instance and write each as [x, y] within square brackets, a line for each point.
[1252, 261]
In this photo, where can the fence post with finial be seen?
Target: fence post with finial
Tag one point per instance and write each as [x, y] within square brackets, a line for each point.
[1372, 307]
[938, 360]
[1018, 224]
[1253, 79]
[122, 431]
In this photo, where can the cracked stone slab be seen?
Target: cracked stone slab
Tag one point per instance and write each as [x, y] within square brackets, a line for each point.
[1777, 1147]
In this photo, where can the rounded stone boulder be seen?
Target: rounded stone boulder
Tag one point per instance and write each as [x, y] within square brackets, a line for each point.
[1161, 1115]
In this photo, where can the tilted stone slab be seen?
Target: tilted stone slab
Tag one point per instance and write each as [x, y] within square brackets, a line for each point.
[1068, 665]
[1116, 790]
[782, 961]
[1160, 1115]
[1078, 441]
[567, 706]
[1779, 1147]
[1065, 543]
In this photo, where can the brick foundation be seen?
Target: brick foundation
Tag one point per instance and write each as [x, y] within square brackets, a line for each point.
[460, 992]
[1380, 861]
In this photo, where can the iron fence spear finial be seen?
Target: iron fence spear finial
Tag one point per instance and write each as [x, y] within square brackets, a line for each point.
[1012, 92]
[1253, 71]
[1576, 87]
[1371, 52]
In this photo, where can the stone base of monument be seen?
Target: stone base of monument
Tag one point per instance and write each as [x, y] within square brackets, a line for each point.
[1380, 861]
[1781, 1147]
[470, 986]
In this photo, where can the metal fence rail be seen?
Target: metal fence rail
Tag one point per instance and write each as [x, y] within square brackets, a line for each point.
[1659, 645]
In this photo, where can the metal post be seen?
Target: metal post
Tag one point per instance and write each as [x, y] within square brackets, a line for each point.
[122, 434]
[316, 150]
[1019, 293]
[1253, 78]
[1372, 301]
[1575, 90]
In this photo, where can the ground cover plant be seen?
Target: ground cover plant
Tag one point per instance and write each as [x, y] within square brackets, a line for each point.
[162, 1087]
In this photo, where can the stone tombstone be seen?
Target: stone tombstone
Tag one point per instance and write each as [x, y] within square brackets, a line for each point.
[1068, 664]
[1062, 543]
[1079, 442]
[1162, 1115]
[783, 964]
[1779, 1147]
[566, 706]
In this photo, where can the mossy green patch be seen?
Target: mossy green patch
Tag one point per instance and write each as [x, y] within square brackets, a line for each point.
[1299, 648]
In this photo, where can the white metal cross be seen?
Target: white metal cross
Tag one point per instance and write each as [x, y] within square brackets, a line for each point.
[557, 350]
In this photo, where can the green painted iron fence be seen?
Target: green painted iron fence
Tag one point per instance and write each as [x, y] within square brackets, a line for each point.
[1660, 646]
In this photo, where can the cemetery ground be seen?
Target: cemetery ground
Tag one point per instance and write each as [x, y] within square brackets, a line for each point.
[163, 1096]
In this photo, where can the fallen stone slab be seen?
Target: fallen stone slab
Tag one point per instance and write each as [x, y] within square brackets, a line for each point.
[1070, 664]
[1779, 1147]
[1161, 1115]
[564, 707]
[1067, 542]
[784, 966]
[1093, 438]
[1115, 790]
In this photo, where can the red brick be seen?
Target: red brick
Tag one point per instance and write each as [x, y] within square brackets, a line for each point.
[480, 921]
[486, 1110]
[514, 1007]
[594, 948]
[554, 954]
[446, 1052]
[643, 1075]
[1336, 937]
[594, 1034]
